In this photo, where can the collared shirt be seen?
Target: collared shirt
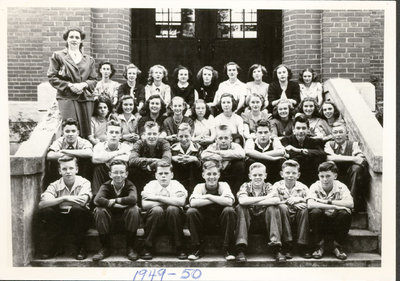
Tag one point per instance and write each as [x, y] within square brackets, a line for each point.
[247, 190]
[314, 91]
[164, 91]
[141, 153]
[204, 127]
[298, 190]
[339, 192]
[58, 189]
[174, 189]
[102, 149]
[61, 143]
[109, 90]
[98, 128]
[273, 144]
[319, 127]
[127, 195]
[249, 119]
[128, 126]
[193, 149]
[237, 89]
[234, 152]
[223, 190]
[355, 149]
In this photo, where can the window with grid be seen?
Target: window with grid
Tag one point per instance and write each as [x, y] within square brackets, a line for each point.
[237, 23]
[175, 23]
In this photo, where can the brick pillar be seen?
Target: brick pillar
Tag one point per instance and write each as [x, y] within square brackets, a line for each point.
[376, 58]
[302, 40]
[112, 38]
[346, 44]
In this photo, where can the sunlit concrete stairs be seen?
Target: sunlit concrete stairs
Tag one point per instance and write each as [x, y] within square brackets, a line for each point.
[362, 247]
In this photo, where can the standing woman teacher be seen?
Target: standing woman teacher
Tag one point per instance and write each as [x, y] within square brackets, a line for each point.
[73, 74]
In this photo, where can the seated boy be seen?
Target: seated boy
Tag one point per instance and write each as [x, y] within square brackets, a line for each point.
[64, 206]
[258, 207]
[115, 200]
[145, 154]
[265, 149]
[232, 154]
[329, 204]
[163, 199]
[186, 158]
[293, 195]
[105, 152]
[70, 144]
[353, 168]
[306, 151]
[211, 205]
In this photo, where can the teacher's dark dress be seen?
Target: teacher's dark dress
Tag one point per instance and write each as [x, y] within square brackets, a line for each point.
[275, 92]
[64, 70]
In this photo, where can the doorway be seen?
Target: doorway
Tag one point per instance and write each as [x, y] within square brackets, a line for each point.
[198, 37]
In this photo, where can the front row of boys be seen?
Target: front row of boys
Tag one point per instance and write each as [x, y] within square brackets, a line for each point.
[286, 206]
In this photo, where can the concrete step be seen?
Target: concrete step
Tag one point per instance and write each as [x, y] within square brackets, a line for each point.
[353, 260]
[359, 220]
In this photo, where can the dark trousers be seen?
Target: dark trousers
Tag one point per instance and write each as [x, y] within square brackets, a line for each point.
[187, 174]
[100, 176]
[298, 224]
[206, 219]
[321, 225]
[308, 167]
[160, 218]
[54, 224]
[105, 218]
[234, 174]
[140, 178]
[268, 221]
[356, 178]
[273, 168]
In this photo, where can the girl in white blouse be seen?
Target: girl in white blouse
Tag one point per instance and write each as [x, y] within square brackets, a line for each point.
[157, 84]
[256, 73]
[203, 122]
[309, 87]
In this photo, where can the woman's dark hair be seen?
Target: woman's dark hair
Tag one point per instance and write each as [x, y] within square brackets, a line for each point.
[309, 99]
[194, 114]
[336, 112]
[239, 70]
[111, 67]
[120, 102]
[275, 76]
[129, 66]
[176, 72]
[150, 79]
[77, 29]
[275, 113]
[234, 102]
[107, 101]
[255, 66]
[145, 111]
[313, 73]
[214, 78]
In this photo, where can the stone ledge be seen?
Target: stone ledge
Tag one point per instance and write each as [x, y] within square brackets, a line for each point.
[362, 124]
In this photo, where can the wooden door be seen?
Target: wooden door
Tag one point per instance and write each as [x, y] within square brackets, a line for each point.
[198, 37]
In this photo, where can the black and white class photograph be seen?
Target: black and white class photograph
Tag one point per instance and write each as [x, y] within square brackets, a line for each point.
[173, 139]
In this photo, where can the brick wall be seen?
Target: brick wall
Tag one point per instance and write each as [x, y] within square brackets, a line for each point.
[112, 38]
[302, 40]
[346, 44]
[377, 46]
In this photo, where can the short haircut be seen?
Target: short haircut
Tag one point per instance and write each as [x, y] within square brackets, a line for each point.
[176, 72]
[107, 101]
[66, 158]
[239, 70]
[234, 102]
[69, 122]
[301, 118]
[151, 125]
[263, 123]
[214, 78]
[223, 128]
[115, 123]
[255, 95]
[339, 124]
[184, 127]
[313, 73]
[253, 67]
[150, 79]
[111, 67]
[145, 111]
[118, 162]
[120, 110]
[291, 163]
[328, 166]
[336, 112]
[275, 112]
[193, 109]
[209, 164]
[257, 165]
[275, 76]
[129, 66]
[309, 99]
[163, 164]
